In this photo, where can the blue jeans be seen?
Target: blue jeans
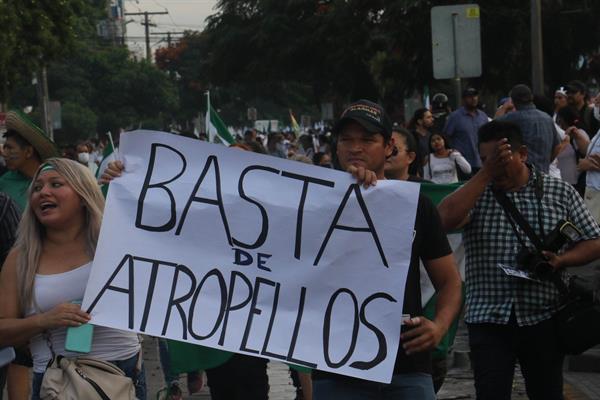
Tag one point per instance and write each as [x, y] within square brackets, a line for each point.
[415, 386]
[128, 366]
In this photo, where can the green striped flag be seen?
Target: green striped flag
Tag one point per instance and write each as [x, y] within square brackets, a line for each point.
[216, 127]
[107, 156]
[295, 126]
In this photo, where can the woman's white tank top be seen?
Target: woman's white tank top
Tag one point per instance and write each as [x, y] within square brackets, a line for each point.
[108, 344]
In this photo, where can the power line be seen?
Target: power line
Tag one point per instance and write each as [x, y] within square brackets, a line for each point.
[147, 24]
[160, 5]
[168, 34]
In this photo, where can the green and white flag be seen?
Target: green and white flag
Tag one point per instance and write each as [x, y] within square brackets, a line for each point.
[215, 125]
[108, 155]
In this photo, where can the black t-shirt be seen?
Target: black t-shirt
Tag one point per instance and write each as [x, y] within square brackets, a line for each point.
[587, 121]
[430, 242]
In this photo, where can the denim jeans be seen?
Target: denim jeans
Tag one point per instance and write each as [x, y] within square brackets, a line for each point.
[414, 386]
[128, 366]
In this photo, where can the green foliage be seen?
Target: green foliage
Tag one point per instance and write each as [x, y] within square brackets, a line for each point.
[78, 123]
[36, 32]
[119, 91]
[101, 88]
[99, 85]
[347, 49]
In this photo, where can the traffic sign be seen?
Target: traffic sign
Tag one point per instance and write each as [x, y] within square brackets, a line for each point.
[456, 41]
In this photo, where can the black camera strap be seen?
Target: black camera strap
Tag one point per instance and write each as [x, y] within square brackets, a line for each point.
[514, 216]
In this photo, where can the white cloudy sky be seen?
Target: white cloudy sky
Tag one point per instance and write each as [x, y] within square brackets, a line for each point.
[183, 15]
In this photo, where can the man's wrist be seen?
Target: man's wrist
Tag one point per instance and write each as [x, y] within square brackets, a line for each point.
[559, 262]
[484, 174]
[441, 326]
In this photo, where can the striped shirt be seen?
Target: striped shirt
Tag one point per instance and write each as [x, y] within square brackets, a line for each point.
[9, 220]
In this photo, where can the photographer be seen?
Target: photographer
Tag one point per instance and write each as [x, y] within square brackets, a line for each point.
[510, 318]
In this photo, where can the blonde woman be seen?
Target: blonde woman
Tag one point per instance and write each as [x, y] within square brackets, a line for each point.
[46, 272]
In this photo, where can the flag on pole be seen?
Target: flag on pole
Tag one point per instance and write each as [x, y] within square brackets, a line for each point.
[215, 125]
[108, 155]
[295, 126]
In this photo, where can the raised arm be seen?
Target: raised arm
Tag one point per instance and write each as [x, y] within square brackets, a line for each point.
[112, 171]
[455, 208]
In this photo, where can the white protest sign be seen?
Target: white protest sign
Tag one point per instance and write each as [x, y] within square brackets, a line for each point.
[254, 254]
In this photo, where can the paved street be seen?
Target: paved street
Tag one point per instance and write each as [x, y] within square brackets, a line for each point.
[458, 385]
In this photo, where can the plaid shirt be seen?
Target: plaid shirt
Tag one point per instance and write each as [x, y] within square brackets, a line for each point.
[490, 241]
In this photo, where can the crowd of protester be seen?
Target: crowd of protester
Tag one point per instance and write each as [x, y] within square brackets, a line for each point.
[526, 143]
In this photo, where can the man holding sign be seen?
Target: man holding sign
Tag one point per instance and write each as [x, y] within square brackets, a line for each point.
[275, 259]
[363, 142]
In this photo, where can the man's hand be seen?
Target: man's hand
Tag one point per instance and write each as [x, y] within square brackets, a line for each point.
[590, 163]
[553, 259]
[114, 170]
[423, 335]
[572, 131]
[504, 109]
[501, 156]
[363, 176]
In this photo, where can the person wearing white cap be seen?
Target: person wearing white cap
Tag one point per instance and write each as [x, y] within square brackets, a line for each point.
[560, 100]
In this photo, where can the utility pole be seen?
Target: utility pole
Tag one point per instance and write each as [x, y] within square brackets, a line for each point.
[146, 24]
[169, 38]
[537, 54]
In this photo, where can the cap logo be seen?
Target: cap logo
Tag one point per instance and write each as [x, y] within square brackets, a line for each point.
[371, 112]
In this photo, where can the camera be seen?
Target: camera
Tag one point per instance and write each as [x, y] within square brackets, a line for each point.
[533, 261]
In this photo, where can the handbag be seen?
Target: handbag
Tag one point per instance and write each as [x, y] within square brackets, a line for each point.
[578, 317]
[85, 378]
[578, 320]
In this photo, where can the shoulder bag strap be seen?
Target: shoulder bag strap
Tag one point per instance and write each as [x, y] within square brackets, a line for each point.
[512, 212]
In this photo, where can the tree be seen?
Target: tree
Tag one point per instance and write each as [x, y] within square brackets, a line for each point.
[35, 33]
[78, 123]
[102, 89]
[188, 61]
[347, 49]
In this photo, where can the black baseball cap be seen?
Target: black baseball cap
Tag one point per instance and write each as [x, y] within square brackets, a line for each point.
[470, 91]
[369, 115]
